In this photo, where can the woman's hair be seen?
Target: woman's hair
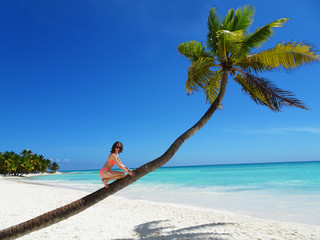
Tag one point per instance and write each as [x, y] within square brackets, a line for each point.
[115, 145]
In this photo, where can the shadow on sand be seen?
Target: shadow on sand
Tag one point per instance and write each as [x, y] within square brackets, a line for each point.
[160, 230]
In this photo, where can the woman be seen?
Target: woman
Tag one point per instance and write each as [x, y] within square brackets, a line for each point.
[106, 174]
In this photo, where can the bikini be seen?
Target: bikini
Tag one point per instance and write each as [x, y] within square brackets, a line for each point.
[106, 169]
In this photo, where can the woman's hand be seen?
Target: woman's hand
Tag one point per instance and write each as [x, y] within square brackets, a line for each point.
[131, 173]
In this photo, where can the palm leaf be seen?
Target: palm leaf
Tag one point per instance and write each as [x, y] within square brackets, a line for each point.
[266, 93]
[213, 87]
[229, 42]
[214, 25]
[199, 74]
[228, 19]
[192, 50]
[260, 36]
[242, 19]
[249, 65]
[285, 55]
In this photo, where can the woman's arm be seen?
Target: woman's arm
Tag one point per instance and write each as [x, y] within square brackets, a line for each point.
[123, 167]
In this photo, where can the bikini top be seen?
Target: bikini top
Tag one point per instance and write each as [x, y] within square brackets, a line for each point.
[111, 161]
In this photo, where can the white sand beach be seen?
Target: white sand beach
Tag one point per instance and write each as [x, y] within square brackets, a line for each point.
[121, 218]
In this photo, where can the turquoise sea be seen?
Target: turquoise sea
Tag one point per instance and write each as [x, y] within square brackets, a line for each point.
[282, 191]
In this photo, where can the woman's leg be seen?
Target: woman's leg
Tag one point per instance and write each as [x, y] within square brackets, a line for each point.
[105, 182]
[110, 175]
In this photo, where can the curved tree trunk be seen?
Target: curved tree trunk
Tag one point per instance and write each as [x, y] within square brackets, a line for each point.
[80, 205]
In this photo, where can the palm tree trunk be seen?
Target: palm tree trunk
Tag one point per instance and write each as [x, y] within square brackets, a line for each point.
[80, 205]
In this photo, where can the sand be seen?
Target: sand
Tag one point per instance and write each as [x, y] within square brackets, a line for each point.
[120, 218]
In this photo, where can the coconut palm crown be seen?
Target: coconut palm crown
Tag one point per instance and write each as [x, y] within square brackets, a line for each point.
[230, 50]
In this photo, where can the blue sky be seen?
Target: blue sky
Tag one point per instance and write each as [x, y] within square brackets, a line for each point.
[78, 75]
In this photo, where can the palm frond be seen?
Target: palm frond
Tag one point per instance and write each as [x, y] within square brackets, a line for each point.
[213, 87]
[249, 66]
[228, 19]
[286, 55]
[242, 19]
[214, 25]
[260, 36]
[199, 74]
[265, 93]
[192, 50]
[229, 42]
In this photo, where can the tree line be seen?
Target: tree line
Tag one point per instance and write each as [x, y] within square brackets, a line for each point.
[15, 164]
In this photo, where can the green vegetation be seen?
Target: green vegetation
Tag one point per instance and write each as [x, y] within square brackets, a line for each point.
[231, 50]
[27, 162]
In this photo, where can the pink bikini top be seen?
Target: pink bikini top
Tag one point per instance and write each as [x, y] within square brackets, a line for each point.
[111, 161]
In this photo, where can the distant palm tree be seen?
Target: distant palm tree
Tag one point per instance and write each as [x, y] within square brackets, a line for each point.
[229, 51]
[54, 167]
[26, 152]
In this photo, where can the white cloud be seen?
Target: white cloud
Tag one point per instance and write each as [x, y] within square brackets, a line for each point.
[66, 160]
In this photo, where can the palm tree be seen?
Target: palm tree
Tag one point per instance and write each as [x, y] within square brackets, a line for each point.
[26, 152]
[3, 164]
[229, 51]
[54, 167]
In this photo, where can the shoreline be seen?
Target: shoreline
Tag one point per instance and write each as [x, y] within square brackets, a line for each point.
[27, 175]
[120, 218]
[301, 210]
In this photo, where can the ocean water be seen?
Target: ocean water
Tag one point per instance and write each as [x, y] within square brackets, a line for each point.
[281, 191]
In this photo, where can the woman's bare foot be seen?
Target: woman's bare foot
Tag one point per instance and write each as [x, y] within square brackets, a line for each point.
[105, 182]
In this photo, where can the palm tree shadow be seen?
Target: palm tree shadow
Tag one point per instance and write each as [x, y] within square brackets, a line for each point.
[156, 230]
